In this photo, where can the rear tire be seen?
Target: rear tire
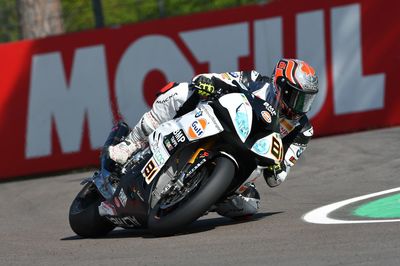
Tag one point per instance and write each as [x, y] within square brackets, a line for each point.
[84, 217]
[211, 190]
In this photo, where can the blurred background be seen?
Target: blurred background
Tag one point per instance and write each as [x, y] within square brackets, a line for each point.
[27, 19]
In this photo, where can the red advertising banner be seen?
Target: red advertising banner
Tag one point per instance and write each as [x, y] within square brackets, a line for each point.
[59, 96]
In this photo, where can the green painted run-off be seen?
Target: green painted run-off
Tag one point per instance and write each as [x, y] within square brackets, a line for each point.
[388, 207]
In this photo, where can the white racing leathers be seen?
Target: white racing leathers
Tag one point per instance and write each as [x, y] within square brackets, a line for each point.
[179, 98]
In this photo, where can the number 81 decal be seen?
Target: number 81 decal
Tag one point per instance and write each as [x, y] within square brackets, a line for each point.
[149, 171]
[277, 149]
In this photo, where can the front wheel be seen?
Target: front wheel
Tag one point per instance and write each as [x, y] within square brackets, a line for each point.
[211, 188]
[84, 217]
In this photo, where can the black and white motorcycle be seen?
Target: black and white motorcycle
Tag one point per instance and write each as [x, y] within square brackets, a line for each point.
[191, 163]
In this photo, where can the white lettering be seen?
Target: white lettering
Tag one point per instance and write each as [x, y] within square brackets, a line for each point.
[128, 221]
[268, 43]
[179, 136]
[196, 128]
[311, 48]
[154, 52]
[353, 92]
[220, 46]
[270, 108]
[51, 97]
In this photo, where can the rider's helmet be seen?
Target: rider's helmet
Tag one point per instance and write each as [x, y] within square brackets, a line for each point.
[297, 85]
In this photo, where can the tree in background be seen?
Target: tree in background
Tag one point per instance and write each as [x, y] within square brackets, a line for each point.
[39, 18]
[8, 21]
[20, 19]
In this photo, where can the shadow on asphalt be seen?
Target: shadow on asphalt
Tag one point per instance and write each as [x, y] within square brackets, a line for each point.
[198, 226]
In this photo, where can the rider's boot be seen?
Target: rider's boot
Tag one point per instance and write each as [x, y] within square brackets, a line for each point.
[120, 144]
[242, 205]
[117, 134]
[135, 141]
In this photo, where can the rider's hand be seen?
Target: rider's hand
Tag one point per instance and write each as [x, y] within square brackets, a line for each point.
[272, 174]
[205, 86]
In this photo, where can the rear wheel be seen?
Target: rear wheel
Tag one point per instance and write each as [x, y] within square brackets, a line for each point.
[210, 188]
[84, 217]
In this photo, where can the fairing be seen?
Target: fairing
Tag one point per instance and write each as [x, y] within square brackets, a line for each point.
[142, 185]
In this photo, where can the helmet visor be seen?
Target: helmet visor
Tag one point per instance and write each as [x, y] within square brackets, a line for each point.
[298, 101]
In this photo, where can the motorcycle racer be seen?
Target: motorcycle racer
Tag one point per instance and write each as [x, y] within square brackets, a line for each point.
[293, 80]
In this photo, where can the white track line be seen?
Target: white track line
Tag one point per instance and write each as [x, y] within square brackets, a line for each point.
[320, 215]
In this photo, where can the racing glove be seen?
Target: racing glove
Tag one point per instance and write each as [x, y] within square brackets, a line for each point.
[274, 175]
[205, 86]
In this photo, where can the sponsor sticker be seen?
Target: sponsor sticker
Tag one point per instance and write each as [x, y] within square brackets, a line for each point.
[179, 135]
[266, 116]
[198, 114]
[270, 108]
[172, 140]
[299, 151]
[197, 128]
[261, 146]
[159, 156]
[234, 74]
[196, 167]
[168, 144]
[128, 221]
[203, 154]
[149, 171]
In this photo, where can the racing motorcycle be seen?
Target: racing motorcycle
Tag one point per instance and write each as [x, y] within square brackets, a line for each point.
[192, 162]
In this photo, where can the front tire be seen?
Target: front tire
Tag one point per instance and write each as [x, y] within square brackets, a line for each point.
[211, 190]
[84, 217]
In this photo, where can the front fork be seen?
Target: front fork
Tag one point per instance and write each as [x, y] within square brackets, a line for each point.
[179, 181]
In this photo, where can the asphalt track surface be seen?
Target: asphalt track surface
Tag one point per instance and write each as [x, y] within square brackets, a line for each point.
[34, 227]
